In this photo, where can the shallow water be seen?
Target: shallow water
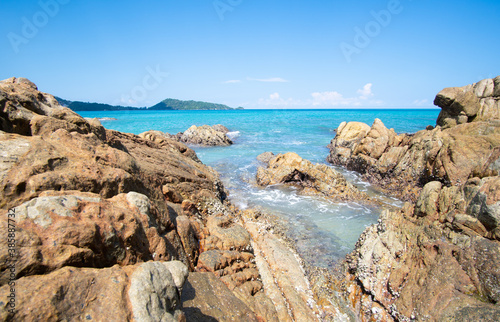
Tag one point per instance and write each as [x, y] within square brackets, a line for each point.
[323, 231]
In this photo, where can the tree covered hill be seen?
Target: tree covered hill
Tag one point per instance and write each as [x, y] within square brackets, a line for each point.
[167, 104]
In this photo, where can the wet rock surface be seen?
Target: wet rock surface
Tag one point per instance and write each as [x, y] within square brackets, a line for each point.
[312, 179]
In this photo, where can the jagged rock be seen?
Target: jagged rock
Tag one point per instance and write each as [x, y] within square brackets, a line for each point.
[82, 229]
[312, 179]
[206, 135]
[89, 197]
[265, 157]
[206, 298]
[166, 140]
[477, 102]
[144, 292]
[408, 162]
[154, 291]
[400, 264]
[26, 111]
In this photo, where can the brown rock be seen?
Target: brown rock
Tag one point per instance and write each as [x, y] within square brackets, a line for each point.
[115, 293]
[265, 157]
[476, 102]
[206, 135]
[312, 179]
[206, 298]
[82, 229]
[450, 156]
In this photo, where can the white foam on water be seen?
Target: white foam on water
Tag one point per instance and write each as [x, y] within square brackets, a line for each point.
[233, 135]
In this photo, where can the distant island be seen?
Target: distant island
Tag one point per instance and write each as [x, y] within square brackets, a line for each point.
[165, 105]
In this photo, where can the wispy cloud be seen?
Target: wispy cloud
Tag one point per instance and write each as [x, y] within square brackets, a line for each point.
[276, 100]
[422, 102]
[232, 81]
[269, 80]
[325, 99]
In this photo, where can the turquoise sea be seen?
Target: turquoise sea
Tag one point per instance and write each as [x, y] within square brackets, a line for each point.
[323, 231]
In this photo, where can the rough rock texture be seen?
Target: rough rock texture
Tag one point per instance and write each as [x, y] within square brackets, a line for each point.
[206, 298]
[144, 292]
[206, 135]
[92, 205]
[472, 103]
[431, 262]
[312, 179]
[402, 164]
[437, 259]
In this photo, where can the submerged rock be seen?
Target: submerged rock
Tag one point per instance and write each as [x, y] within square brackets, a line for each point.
[312, 179]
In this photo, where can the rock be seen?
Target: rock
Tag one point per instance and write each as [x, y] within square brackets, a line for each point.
[226, 235]
[410, 161]
[81, 229]
[144, 291]
[476, 102]
[206, 298]
[265, 157]
[484, 203]
[91, 198]
[27, 111]
[399, 263]
[206, 135]
[168, 141]
[282, 274]
[312, 179]
[153, 292]
[220, 128]
[427, 202]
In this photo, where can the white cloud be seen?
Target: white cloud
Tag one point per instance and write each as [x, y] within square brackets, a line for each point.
[366, 91]
[276, 100]
[335, 98]
[325, 99]
[232, 81]
[269, 80]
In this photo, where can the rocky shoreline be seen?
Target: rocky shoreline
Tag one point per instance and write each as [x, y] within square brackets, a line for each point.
[112, 225]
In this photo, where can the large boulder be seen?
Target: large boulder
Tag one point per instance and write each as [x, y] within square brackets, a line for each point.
[312, 179]
[142, 292]
[477, 102]
[206, 135]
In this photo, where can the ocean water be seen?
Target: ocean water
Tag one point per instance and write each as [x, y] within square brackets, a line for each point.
[323, 231]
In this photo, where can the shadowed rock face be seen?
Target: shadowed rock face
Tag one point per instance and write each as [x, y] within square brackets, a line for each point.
[472, 103]
[92, 205]
[313, 179]
[438, 257]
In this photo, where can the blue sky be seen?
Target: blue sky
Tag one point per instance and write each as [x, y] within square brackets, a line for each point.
[251, 53]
